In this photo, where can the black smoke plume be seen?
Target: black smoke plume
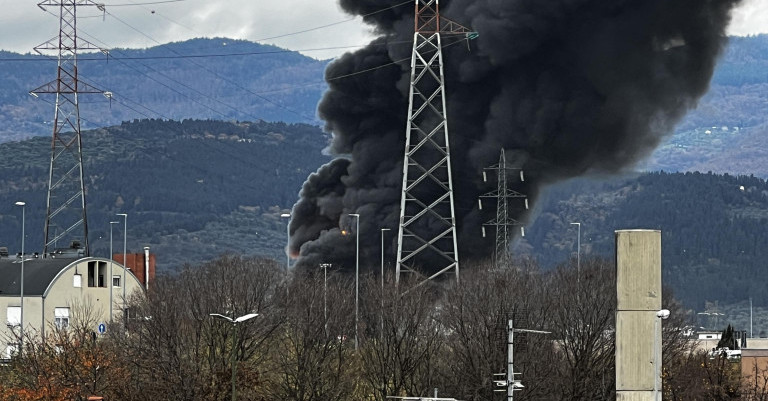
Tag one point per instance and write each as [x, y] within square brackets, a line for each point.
[566, 87]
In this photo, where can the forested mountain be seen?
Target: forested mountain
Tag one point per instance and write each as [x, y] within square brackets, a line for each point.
[218, 78]
[713, 229]
[193, 189]
[227, 79]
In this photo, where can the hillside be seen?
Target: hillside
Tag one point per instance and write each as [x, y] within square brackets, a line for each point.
[713, 232]
[727, 132]
[221, 79]
[192, 189]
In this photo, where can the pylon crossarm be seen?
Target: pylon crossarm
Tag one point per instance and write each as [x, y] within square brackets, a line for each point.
[67, 3]
[513, 194]
[449, 27]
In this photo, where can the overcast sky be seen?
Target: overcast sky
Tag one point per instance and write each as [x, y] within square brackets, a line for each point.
[137, 23]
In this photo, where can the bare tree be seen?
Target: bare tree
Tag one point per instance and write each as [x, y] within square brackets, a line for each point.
[475, 317]
[583, 303]
[754, 386]
[312, 353]
[69, 363]
[402, 339]
[177, 351]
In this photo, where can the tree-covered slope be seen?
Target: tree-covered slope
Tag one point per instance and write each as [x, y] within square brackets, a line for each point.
[218, 78]
[713, 229]
[726, 133]
[192, 189]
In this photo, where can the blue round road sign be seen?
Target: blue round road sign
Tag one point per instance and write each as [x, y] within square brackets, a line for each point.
[102, 328]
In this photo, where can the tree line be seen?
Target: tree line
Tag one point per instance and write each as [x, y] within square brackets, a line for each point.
[411, 339]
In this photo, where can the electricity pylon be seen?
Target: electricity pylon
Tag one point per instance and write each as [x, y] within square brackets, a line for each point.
[66, 219]
[502, 222]
[427, 233]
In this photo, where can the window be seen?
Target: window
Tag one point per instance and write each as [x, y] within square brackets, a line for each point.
[77, 280]
[115, 281]
[14, 316]
[61, 318]
[11, 350]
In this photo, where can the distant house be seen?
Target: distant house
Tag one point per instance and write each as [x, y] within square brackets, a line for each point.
[710, 335]
[56, 290]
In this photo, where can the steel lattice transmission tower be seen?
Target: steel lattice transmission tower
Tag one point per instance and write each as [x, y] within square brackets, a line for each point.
[427, 233]
[66, 213]
[502, 222]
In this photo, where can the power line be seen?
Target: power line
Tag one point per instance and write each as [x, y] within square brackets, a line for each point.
[144, 4]
[212, 55]
[237, 85]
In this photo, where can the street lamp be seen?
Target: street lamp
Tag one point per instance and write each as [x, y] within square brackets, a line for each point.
[111, 282]
[325, 267]
[21, 292]
[660, 315]
[288, 243]
[381, 319]
[234, 342]
[125, 262]
[578, 250]
[357, 270]
[512, 384]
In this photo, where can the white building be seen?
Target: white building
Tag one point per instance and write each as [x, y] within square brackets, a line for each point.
[55, 291]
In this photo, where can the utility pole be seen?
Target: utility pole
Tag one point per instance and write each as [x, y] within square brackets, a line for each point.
[502, 222]
[510, 383]
[66, 214]
[427, 231]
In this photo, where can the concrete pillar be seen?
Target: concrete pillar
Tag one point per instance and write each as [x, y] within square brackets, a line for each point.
[638, 291]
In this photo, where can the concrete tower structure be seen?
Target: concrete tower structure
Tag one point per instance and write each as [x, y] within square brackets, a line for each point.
[638, 328]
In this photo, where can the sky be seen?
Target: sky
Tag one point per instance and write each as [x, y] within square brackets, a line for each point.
[147, 23]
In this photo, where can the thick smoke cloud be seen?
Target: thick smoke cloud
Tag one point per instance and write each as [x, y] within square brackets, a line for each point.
[567, 87]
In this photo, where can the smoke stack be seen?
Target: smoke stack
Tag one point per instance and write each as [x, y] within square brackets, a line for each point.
[565, 87]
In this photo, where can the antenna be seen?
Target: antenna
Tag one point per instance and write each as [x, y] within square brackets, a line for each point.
[427, 233]
[502, 222]
[65, 215]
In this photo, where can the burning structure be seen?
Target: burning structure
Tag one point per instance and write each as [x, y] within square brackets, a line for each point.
[566, 87]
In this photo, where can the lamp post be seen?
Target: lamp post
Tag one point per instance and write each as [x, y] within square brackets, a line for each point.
[234, 343]
[21, 292]
[125, 262]
[512, 384]
[357, 270]
[381, 318]
[288, 243]
[325, 267]
[111, 284]
[578, 250]
[660, 315]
